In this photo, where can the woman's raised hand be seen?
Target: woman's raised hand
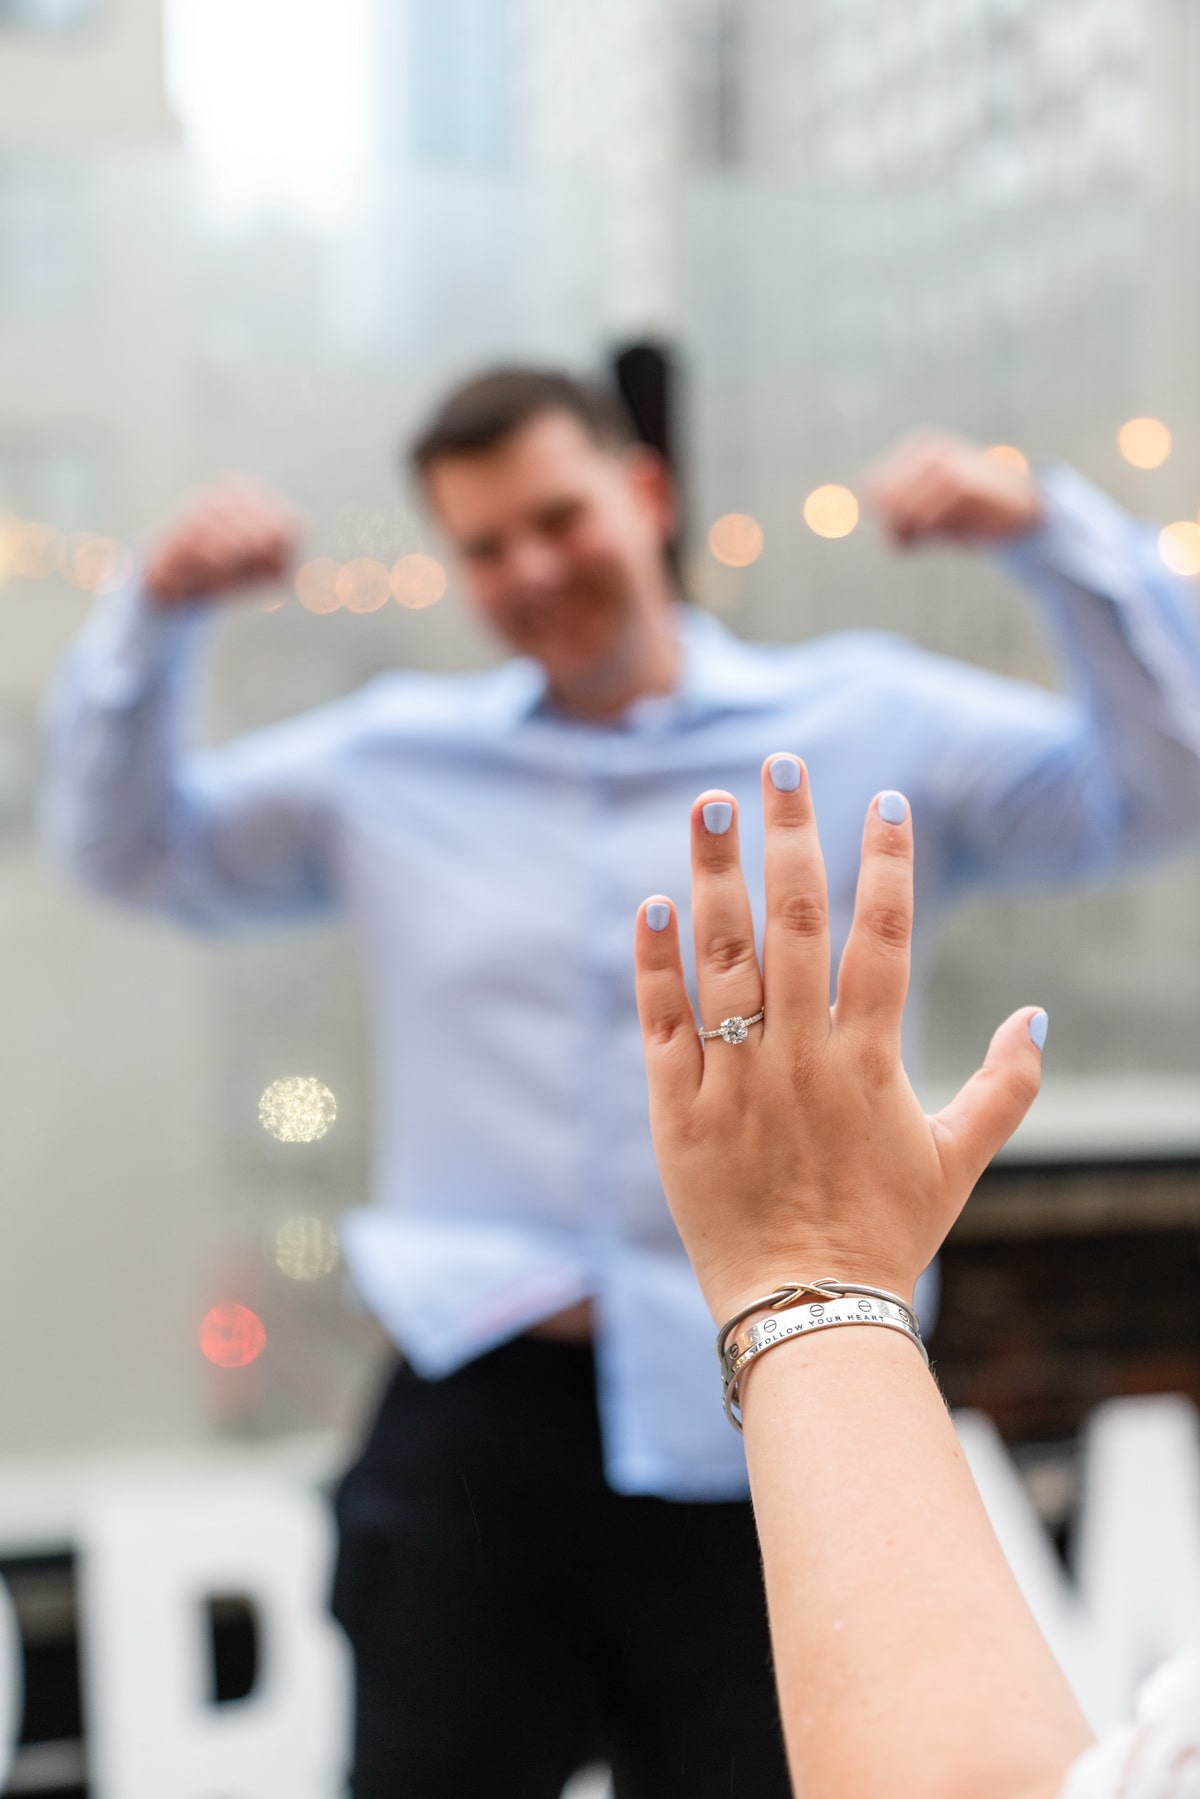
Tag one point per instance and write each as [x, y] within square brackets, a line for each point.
[802, 1152]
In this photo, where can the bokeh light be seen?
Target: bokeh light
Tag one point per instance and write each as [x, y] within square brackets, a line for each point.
[418, 581]
[68, 548]
[29, 548]
[1010, 456]
[95, 563]
[232, 1336]
[1146, 443]
[305, 1248]
[316, 585]
[831, 511]
[736, 539]
[710, 583]
[99, 564]
[363, 585]
[1179, 547]
[297, 1110]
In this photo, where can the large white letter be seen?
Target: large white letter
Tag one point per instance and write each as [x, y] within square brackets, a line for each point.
[1132, 1597]
[12, 1682]
[1049, 1591]
[151, 1559]
[1138, 1553]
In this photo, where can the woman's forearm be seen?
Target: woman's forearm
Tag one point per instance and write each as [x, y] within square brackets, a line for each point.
[907, 1659]
[903, 1648]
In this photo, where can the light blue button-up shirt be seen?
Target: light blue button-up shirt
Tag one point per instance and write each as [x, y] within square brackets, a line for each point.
[490, 855]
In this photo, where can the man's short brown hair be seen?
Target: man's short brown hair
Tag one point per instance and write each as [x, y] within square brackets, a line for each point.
[491, 407]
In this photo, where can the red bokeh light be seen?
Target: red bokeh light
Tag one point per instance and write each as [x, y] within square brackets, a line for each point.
[232, 1336]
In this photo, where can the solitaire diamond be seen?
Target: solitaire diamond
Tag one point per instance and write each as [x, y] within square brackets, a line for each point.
[733, 1030]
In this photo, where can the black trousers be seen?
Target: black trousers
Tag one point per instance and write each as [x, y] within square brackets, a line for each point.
[512, 1618]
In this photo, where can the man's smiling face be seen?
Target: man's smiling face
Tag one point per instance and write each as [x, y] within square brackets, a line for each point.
[560, 541]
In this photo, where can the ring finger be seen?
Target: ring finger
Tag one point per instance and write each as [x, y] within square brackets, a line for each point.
[728, 981]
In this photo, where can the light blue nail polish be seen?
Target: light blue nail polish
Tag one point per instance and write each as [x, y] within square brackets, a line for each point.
[658, 916]
[717, 816]
[1039, 1024]
[785, 774]
[893, 808]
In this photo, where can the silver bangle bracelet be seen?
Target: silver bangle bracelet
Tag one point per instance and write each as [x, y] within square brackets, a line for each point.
[794, 1291]
[832, 1303]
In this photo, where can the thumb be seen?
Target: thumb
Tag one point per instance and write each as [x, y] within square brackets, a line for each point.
[984, 1114]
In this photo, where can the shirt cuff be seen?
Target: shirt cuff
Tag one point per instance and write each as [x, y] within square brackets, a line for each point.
[1083, 537]
[132, 643]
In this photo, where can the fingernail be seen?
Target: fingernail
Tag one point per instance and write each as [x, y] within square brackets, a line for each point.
[893, 808]
[1039, 1024]
[785, 774]
[658, 915]
[717, 816]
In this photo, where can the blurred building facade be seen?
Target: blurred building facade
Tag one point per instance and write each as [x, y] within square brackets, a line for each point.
[1009, 100]
[81, 73]
[844, 228]
[247, 235]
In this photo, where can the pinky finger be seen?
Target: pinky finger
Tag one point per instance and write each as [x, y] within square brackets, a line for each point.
[674, 1058]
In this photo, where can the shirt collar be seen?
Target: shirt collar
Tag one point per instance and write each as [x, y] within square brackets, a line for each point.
[718, 672]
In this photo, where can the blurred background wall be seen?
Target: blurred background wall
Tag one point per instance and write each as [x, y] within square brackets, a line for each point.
[262, 236]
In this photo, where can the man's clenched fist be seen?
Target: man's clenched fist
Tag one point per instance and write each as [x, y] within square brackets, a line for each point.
[935, 485]
[232, 534]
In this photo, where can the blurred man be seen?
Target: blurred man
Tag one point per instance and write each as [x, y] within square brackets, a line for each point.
[546, 1550]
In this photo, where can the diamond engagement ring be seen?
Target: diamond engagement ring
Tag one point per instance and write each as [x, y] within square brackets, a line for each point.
[735, 1029]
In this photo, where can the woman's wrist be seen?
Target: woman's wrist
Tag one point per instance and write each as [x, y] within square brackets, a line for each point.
[827, 1359]
[731, 1290]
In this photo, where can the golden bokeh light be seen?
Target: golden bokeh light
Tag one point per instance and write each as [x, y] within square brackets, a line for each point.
[95, 563]
[1010, 456]
[736, 539]
[1179, 547]
[831, 511]
[99, 564]
[1146, 443]
[29, 548]
[418, 581]
[316, 585]
[363, 585]
[305, 1248]
[710, 583]
[232, 1336]
[68, 548]
[297, 1110]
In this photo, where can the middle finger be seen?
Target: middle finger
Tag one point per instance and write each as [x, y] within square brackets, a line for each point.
[796, 939]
